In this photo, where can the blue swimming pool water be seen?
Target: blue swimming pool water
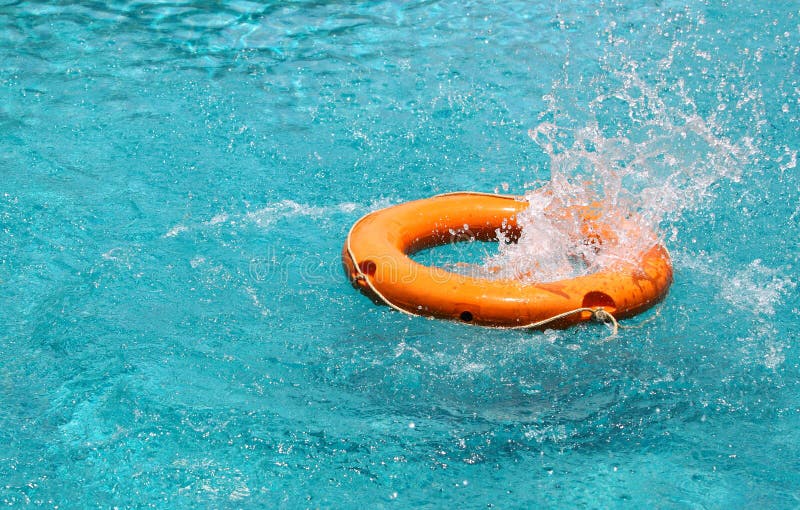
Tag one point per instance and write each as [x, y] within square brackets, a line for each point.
[177, 179]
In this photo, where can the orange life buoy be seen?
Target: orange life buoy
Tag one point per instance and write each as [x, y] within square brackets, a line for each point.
[376, 259]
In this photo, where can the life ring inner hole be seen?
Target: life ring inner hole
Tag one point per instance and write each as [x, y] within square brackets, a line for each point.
[463, 250]
[439, 236]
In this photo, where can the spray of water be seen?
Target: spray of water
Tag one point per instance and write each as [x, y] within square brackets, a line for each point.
[638, 152]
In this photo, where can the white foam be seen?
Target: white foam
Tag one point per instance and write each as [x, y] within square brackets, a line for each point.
[251, 292]
[197, 261]
[177, 229]
[774, 357]
[217, 219]
[756, 288]
[112, 254]
[266, 216]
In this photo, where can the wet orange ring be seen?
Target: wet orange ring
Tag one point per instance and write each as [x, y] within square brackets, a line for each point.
[376, 259]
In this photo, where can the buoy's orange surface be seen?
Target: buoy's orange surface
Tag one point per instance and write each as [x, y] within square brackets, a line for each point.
[376, 259]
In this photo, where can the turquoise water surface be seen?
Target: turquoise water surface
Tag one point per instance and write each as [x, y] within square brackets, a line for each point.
[177, 180]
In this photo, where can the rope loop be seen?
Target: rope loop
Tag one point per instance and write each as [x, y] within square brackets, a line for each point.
[600, 315]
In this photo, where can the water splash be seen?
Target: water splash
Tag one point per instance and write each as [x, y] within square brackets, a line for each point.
[757, 289]
[638, 152]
